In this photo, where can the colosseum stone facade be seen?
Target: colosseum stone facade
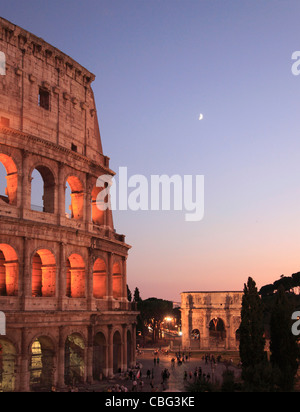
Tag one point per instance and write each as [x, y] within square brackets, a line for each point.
[62, 275]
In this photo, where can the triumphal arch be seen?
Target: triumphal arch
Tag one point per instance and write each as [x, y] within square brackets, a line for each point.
[211, 320]
[62, 264]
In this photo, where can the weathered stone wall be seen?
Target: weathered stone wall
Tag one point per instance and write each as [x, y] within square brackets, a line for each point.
[51, 284]
[210, 320]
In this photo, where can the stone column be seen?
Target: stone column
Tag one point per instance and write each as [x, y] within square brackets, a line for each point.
[110, 369]
[110, 280]
[133, 344]
[26, 184]
[24, 366]
[61, 359]
[26, 291]
[89, 364]
[89, 280]
[124, 348]
[124, 280]
[62, 277]
[61, 193]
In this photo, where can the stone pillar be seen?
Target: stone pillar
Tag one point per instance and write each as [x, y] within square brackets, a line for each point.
[61, 193]
[110, 368]
[62, 276]
[124, 348]
[133, 344]
[89, 364]
[61, 359]
[110, 280]
[124, 280]
[24, 366]
[26, 291]
[26, 184]
[89, 280]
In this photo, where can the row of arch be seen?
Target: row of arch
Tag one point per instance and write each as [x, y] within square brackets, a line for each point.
[44, 367]
[43, 188]
[44, 275]
[217, 334]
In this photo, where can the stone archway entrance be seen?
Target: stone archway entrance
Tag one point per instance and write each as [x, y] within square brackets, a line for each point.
[42, 364]
[117, 350]
[217, 333]
[99, 356]
[7, 366]
[195, 339]
[74, 359]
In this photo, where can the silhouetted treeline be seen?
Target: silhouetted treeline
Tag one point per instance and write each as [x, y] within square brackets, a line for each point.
[287, 282]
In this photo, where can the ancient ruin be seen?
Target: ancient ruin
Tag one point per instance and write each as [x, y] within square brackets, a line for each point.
[62, 266]
[211, 320]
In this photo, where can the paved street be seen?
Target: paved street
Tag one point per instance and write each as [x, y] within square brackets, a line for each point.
[176, 382]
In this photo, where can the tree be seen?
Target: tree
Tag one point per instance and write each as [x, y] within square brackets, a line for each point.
[255, 371]
[129, 294]
[283, 345]
[137, 297]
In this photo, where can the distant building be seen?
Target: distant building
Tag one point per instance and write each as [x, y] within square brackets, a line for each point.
[211, 320]
[62, 276]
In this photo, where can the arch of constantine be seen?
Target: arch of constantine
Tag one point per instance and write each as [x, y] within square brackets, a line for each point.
[211, 320]
[62, 265]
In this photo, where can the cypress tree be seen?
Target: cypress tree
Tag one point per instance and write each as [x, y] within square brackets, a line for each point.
[283, 344]
[255, 370]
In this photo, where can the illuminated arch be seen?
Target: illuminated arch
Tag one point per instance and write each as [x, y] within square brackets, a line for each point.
[98, 215]
[43, 274]
[74, 359]
[42, 363]
[75, 278]
[8, 359]
[10, 195]
[9, 271]
[76, 201]
[99, 279]
[43, 193]
[117, 280]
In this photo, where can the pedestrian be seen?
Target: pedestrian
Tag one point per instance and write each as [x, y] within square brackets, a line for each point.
[148, 374]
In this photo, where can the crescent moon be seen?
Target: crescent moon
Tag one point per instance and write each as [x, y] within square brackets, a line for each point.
[201, 116]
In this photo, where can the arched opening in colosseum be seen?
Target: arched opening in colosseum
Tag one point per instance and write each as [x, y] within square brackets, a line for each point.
[99, 279]
[98, 215]
[42, 190]
[99, 356]
[117, 352]
[129, 349]
[43, 274]
[42, 364]
[74, 198]
[217, 331]
[75, 277]
[74, 359]
[8, 358]
[117, 281]
[195, 339]
[8, 180]
[9, 271]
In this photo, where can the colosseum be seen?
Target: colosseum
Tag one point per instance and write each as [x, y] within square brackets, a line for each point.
[63, 281]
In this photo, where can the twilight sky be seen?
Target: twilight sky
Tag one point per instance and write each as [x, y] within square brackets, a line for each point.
[158, 65]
